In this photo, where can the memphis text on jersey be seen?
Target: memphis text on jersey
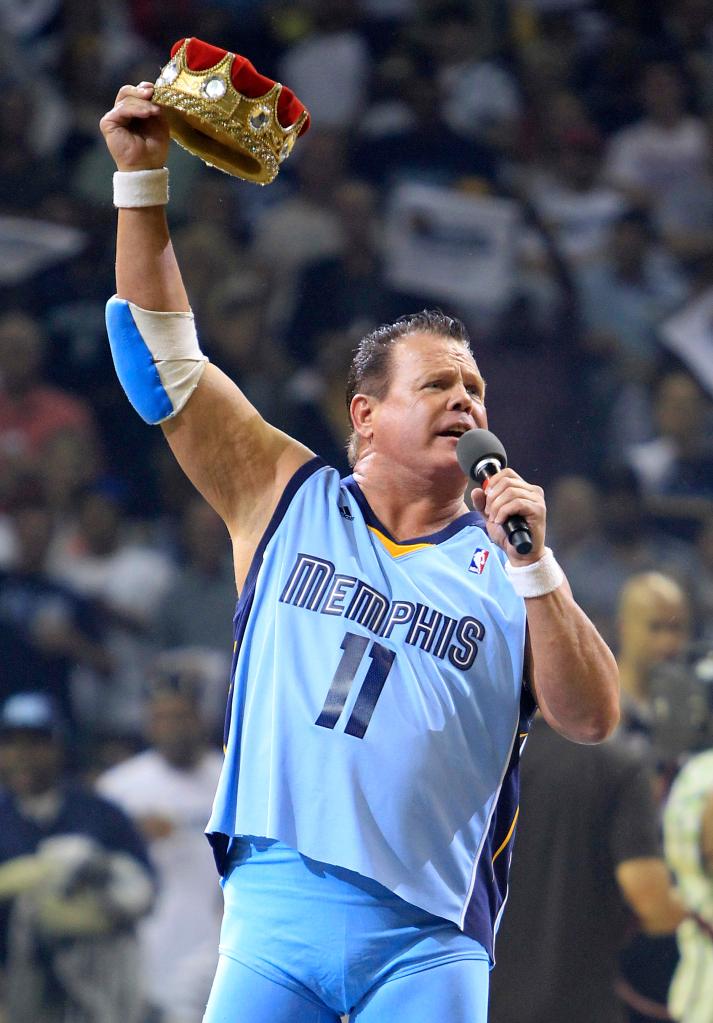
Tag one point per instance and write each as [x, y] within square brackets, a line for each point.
[315, 585]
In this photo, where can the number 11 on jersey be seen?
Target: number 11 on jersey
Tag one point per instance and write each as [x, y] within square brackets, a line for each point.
[354, 648]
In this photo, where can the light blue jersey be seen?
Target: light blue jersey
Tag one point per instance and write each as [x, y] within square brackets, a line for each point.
[377, 704]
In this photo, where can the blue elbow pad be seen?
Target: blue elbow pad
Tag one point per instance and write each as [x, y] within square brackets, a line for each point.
[156, 357]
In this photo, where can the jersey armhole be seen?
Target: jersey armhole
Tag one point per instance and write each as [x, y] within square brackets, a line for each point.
[528, 700]
[300, 476]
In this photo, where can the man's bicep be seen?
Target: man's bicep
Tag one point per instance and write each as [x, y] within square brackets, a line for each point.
[230, 453]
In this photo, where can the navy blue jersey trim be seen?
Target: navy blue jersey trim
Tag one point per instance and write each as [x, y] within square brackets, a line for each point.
[303, 473]
[471, 518]
[491, 886]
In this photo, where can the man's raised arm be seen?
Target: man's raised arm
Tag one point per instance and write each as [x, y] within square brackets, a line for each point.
[238, 461]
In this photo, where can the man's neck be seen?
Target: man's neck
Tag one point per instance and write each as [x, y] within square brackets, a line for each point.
[409, 508]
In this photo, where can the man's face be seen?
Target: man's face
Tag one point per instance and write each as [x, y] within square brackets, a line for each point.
[175, 728]
[435, 394]
[29, 762]
[654, 630]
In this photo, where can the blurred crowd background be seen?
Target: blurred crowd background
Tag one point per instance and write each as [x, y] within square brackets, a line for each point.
[541, 168]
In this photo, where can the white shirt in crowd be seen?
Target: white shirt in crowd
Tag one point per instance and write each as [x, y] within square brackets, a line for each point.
[187, 911]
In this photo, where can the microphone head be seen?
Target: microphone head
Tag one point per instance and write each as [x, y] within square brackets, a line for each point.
[476, 445]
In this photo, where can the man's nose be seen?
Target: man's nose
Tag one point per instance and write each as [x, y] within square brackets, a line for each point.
[460, 399]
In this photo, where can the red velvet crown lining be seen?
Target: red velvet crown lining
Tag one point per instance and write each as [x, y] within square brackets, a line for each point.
[246, 79]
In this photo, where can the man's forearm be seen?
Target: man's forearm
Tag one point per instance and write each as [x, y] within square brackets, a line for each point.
[147, 272]
[575, 675]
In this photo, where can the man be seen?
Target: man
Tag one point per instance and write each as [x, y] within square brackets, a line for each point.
[47, 628]
[658, 709]
[587, 856]
[167, 790]
[74, 879]
[368, 797]
[654, 626]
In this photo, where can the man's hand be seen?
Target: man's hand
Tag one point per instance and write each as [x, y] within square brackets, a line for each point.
[508, 494]
[136, 130]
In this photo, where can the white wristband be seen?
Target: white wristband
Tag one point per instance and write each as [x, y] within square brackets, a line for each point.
[141, 188]
[537, 579]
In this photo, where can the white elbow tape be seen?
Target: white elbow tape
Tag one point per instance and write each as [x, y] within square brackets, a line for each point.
[537, 579]
[138, 188]
[156, 356]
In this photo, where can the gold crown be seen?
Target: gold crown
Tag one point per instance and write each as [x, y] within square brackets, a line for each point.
[210, 118]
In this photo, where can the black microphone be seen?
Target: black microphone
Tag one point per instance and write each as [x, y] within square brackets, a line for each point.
[480, 455]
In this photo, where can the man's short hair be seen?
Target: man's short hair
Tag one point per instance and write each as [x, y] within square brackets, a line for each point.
[370, 370]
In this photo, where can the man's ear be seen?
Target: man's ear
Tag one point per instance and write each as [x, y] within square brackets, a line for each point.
[361, 411]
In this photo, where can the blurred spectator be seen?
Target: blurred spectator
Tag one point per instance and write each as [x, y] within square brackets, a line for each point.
[24, 176]
[685, 210]
[688, 836]
[666, 145]
[32, 22]
[315, 400]
[607, 78]
[390, 110]
[75, 878]
[624, 296]
[603, 537]
[304, 227]
[690, 25]
[675, 467]
[345, 292]
[208, 253]
[583, 548]
[46, 628]
[238, 336]
[127, 579]
[68, 467]
[480, 93]
[31, 411]
[198, 609]
[654, 628]
[328, 69]
[572, 200]
[168, 791]
[587, 855]
[423, 146]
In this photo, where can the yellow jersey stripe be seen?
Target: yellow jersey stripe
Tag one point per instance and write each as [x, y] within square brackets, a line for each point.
[396, 550]
[508, 836]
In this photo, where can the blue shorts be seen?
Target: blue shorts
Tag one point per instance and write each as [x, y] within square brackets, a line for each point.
[305, 942]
